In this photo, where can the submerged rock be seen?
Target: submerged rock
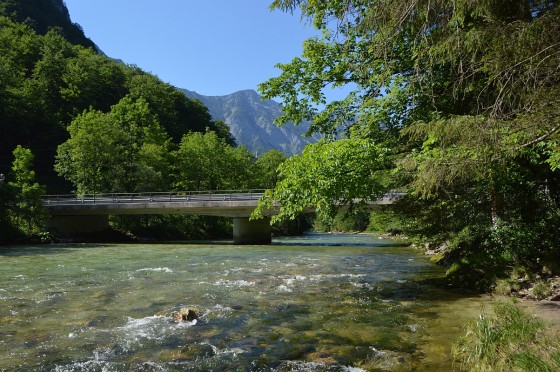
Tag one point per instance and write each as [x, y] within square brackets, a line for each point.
[185, 314]
[196, 350]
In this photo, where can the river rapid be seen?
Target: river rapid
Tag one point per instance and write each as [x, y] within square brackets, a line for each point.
[321, 302]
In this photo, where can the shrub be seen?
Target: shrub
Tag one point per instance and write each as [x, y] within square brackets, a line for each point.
[541, 290]
[384, 220]
[506, 286]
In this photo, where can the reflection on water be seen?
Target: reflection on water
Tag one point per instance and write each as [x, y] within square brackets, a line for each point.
[314, 303]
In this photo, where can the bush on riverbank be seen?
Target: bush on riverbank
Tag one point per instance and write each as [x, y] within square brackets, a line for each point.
[507, 340]
[382, 220]
[483, 257]
[344, 220]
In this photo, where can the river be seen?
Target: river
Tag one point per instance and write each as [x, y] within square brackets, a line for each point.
[321, 302]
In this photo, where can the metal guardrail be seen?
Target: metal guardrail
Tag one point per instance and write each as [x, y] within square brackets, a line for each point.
[393, 195]
[173, 196]
[152, 197]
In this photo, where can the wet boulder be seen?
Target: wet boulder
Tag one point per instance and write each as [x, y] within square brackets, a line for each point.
[185, 314]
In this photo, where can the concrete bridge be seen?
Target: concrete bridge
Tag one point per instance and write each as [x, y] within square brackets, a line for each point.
[78, 214]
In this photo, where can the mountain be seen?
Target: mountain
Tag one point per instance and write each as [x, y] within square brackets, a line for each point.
[43, 15]
[250, 119]
[251, 122]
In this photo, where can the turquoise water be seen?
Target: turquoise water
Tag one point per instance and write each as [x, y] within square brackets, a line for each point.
[315, 303]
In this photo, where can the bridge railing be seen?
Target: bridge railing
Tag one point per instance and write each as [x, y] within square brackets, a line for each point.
[153, 197]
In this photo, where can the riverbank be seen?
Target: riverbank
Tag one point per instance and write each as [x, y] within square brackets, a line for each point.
[548, 311]
[511, 336]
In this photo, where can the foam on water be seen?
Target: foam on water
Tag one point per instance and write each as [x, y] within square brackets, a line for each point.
[291, 280]
[234, 283]
[298, 366]
[225, 351]
[283, 288]
[218, 311]
[106, 366]
[362, 285]
[156, 269]
[153, 328]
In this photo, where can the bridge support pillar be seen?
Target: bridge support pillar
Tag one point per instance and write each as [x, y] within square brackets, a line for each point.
[77, 225]
[247, 231]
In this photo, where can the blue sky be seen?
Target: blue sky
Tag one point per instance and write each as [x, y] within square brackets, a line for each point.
[214, 47]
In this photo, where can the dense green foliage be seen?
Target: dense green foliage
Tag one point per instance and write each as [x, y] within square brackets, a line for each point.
[42, 15]
[123, 150]
[328, 174]
[507, 340]
[460, 99]
[206, 162]
[46, 83]
[21, 211]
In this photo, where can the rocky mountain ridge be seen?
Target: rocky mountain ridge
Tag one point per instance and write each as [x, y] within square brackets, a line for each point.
[251, 122]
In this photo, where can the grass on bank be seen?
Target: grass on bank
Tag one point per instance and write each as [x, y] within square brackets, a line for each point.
[507, 339]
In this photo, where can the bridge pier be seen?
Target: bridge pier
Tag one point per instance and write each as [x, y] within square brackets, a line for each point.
[247, 231]
[77, 225]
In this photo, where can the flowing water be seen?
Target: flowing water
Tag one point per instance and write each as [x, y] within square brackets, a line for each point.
[314, 303]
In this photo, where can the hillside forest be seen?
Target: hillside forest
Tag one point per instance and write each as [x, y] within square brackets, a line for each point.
[75, 121]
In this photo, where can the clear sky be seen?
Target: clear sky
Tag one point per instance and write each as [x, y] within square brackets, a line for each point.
[214, 47]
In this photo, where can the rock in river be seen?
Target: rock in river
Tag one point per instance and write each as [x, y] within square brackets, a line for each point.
[185, 314]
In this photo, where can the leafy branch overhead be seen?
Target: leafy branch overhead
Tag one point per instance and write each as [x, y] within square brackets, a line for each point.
[328, 174]
[477, 75]
[463, 97]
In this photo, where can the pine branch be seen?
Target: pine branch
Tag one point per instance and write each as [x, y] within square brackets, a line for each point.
[541, 138]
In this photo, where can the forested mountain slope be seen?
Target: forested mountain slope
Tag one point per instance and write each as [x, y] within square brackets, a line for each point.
[42, 15]
[74, 120]
[249, 118]
[46, 82]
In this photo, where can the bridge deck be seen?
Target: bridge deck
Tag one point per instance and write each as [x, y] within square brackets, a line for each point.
[215, 203]
[219, 203]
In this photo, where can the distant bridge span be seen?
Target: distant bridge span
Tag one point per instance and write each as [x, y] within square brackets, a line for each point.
[76, 214]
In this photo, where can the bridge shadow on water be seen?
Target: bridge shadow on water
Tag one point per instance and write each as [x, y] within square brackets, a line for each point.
[318, 244]
[330, 240]
[338, 240]
[49, 249]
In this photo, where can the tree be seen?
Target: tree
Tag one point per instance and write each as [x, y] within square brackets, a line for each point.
[207, 162]
[124, 150]
[222, 131]
[29, 212]
[45, 15]
[177, 113]
[326, 175]
[465, 97]
[479, 75]
[7, 230]
[91, 80]
[46, 82]
[48, 74]
[19, 50]
[266, 169]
